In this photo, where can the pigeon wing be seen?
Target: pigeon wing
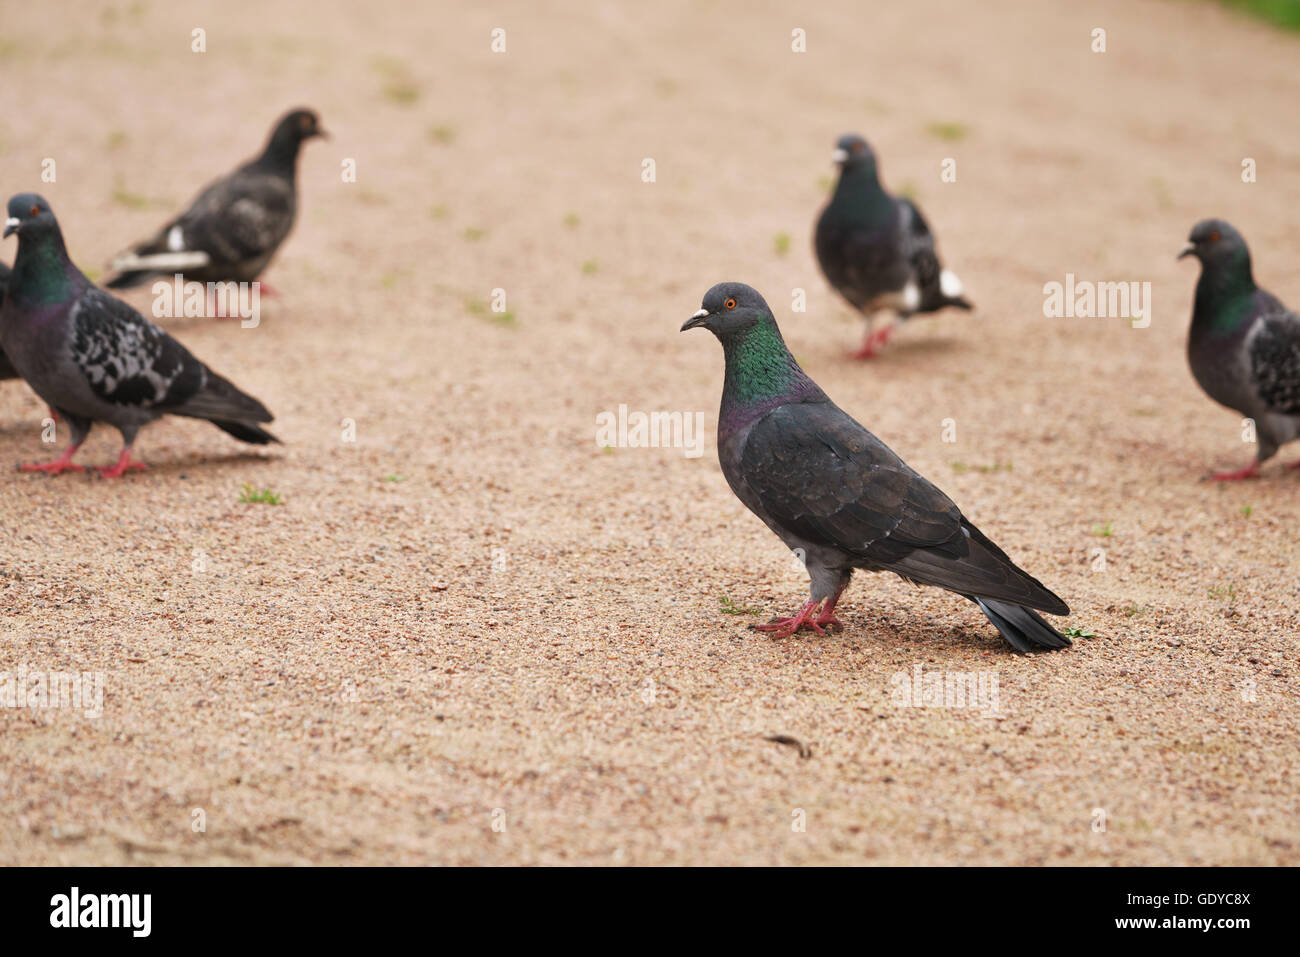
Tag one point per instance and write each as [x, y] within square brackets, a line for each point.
[241, 217]
[129, 361]
[824, 478]
[126, 359]
[918, 246]
[1275, 360]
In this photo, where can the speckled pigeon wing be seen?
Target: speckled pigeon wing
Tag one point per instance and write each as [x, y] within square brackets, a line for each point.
[1275, 360]
[126, 359]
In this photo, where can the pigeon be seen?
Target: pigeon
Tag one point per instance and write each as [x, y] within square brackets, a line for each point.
[1244, 345]
[836, 494]
[234, 227]
[877, 250]
[7, 370]
[95, 359]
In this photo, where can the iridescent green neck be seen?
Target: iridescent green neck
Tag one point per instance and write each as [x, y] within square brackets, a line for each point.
[1225, 294]
[758, 363]
[761, 375]
[42, 272]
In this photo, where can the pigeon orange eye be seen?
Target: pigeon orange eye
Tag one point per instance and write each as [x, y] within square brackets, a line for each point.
[34, 211]
[730, 304]
[1214, 237]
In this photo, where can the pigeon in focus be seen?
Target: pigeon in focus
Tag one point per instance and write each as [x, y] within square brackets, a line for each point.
[95, 359]
[877, 250]
[838, 497]
[1244, 345]
[234, 227]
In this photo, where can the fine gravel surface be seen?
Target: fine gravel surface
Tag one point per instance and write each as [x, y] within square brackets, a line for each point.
[469, 633]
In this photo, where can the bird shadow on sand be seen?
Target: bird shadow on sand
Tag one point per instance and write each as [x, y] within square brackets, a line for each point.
[918, 347]
[898, 350]
[920, 635]
[153, 467]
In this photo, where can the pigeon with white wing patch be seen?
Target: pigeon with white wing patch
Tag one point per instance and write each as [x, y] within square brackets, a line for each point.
[877, 250]
[234, 227]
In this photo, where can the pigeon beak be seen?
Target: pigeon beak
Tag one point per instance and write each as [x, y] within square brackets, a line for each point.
[698, 319]
[1188, 250]
[11, 226]
[322, 133]
[840, 157]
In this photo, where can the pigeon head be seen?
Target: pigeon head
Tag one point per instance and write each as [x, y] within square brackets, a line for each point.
[1216, 242]
[298, 125]
[730, 308]
[290, 132]
[30, 216]
[852, 152]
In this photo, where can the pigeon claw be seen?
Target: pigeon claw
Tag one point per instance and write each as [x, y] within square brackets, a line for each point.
[785, 627]
[52, 468]
[60, 465]
[829, 622]
[1250, 471]
[123, 465]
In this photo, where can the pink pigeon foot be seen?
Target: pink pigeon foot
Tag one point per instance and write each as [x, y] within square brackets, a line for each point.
[785, 627]
[122, 466]
[62, 464]
[873, 343]
[1250, 471]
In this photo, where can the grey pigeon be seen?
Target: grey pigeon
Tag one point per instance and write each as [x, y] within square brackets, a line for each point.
[835, 494]
[234, 227]
[1244, 345]
[877, 250]
[95, 359]
[7, 370]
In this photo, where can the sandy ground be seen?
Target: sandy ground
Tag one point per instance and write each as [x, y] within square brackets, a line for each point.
[474, 636]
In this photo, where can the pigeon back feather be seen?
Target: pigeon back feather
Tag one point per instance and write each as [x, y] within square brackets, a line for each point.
[819, 475]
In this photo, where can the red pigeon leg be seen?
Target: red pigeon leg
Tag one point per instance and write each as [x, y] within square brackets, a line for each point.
[873, 343]
[1250, 471]
[827, 617]
[123, 465]
[62, 464]
[785, 627]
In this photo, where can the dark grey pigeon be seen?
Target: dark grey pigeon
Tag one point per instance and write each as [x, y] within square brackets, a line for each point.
[231, 231]
[838, 496]
[1244, 346]
[7, 371]
[95, 359]
[877, 250]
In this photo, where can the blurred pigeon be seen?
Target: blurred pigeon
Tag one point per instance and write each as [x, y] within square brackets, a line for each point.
[1244, 346]
[838, 496]
[7, 371]
[95, 359]
[877, 250]
[231, 231]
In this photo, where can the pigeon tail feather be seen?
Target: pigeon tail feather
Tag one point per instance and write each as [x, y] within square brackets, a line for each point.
[1024, 629]
[221, 401]
[246, 431]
